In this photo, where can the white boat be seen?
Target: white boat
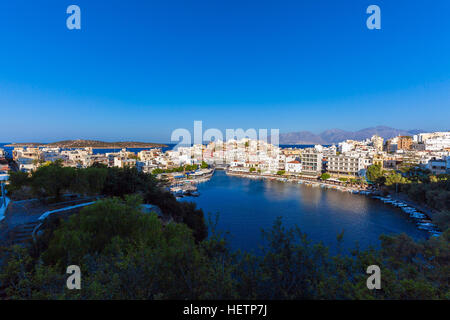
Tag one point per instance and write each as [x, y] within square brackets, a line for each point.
[417, 215]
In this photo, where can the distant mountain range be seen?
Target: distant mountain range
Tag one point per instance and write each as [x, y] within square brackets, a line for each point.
[334, 136]
[91, 143]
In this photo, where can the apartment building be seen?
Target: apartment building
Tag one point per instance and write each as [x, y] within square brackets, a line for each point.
[311, 161]
[145, 155]
[347, 165]
[438, 143]
[377, 142]
[29, 153]
[404, 143]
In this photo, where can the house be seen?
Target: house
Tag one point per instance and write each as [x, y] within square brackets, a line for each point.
[293, 166]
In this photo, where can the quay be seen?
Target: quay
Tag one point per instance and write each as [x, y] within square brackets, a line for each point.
[308, 181]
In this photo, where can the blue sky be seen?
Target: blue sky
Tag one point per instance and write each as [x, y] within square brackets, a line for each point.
[139, 69]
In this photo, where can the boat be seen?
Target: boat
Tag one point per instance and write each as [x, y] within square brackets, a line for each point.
[417, 215]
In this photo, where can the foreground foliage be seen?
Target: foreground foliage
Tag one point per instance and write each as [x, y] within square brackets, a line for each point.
[126, 254]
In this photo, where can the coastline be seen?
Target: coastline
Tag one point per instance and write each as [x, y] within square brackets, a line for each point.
[412, 209]
[302, 180]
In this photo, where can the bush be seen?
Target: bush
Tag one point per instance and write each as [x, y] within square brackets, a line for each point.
[325, 176]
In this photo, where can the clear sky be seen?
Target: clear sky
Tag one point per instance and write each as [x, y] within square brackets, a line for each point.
[139, 69]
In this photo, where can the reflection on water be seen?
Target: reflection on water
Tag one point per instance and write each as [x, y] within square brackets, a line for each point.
[247, 206]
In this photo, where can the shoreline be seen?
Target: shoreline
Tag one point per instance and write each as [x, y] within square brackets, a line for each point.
[302, 180]
[413, 209]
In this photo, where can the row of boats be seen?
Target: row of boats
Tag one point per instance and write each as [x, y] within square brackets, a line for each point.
[187, 187]
[422, 221]
[184, 191]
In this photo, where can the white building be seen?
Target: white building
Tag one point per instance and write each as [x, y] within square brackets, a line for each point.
[293, 166]
[347, 165]
[311, 161]
[344, 147]
[422, 137]
[438, 143]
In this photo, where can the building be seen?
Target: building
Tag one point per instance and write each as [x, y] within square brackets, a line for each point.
[377, 142]
[391, 145]
[423, 137]
[437, 166]
[294, 166]
[347, 165]
[4, 166]
[26, 164]
[345, 146]
[438, 143]
[29, 152]
[311, 161]
[378, 159]
[404, 143]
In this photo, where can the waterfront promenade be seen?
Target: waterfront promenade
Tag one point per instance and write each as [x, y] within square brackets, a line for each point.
[339, 185]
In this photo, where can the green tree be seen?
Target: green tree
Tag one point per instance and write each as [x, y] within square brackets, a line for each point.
[374, 173]
[325, 176]
[51, 180]
[17, 180]
[204, 165]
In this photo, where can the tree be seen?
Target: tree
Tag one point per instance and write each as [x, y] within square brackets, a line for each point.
[51, 180]
[325, 176]
[395, 178]
[123, 254]
[204, 165]
[374, 173]
[126, 254]
[17, 180]
[157, 171]
[281, 172]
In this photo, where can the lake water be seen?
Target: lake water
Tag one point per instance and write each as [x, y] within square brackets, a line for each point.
[246, 206]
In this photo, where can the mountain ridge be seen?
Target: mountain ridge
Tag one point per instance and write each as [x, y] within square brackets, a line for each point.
[333, 136]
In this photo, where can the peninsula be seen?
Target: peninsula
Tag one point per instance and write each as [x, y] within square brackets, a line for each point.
[90, 144]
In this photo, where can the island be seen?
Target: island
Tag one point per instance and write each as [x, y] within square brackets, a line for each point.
[90, 144]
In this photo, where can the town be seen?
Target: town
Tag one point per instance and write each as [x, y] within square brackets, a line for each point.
[342, 162]
[344, 167]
